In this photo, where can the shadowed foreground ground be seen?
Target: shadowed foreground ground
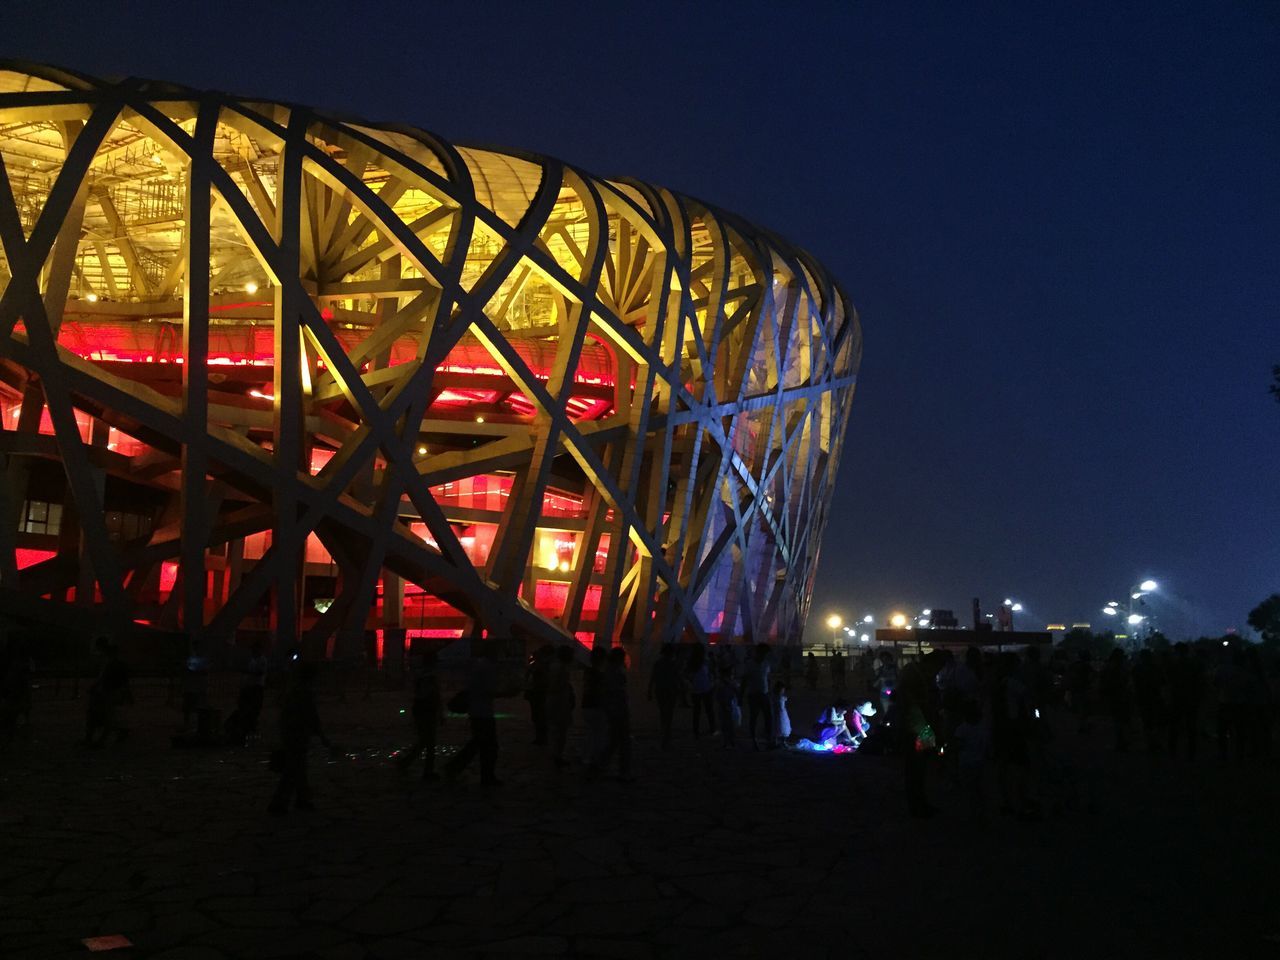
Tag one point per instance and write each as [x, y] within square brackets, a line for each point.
[710, 853]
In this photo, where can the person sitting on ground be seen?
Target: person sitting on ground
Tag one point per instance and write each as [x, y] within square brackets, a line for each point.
[832, 727]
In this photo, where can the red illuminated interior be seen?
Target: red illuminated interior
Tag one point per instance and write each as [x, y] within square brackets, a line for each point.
[251, 346]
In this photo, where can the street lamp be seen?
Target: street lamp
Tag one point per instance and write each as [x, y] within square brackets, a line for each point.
[898, 621]
[868, 619]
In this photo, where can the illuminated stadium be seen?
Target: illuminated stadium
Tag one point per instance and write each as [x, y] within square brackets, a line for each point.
[267, 371]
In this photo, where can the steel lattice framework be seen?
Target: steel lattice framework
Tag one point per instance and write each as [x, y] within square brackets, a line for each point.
[267, 368]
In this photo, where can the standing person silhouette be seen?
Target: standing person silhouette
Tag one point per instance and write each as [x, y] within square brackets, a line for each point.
[1147, 684]
[728, 709]
[664, 687]
[1117, 696]
[535, 691]
[837, 671]
[617, 713]
[755, 691]
[781, 717]
[596, 735]
[254, 690]
[108, 695]
[1186, 692]
[560, 703]
[700, 690]
[428, 714]
[299, 721]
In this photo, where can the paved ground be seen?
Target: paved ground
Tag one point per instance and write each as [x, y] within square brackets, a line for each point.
[710, 853]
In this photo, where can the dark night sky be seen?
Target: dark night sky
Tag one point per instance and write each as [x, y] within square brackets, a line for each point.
[1060, 224]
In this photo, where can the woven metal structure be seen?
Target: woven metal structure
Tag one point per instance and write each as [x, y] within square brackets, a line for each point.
[266, 369]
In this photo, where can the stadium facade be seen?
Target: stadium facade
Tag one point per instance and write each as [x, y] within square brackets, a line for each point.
[269, 370]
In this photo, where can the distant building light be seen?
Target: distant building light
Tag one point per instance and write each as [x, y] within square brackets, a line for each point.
[1055, 626]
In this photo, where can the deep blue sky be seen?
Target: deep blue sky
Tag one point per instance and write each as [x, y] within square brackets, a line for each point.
[1060, 223]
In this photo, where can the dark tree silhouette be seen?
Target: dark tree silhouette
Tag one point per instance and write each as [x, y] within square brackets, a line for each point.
[1265, 618]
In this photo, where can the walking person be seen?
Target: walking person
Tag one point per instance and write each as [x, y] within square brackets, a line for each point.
[617, 714]
[755, 693]
[810, 671]
[482, 685]
[560, 703]
[664, 687]
[700, 690]
[299, 722]
[428, 715]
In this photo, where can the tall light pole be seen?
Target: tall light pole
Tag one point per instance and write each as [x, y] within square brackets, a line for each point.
[1137, 592]
[1008, 609]
[1135, 620]
[834, 623]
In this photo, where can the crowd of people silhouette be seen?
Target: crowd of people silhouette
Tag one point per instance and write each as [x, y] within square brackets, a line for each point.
[986, 719]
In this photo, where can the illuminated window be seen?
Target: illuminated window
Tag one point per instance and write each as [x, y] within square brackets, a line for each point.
[41, 517]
